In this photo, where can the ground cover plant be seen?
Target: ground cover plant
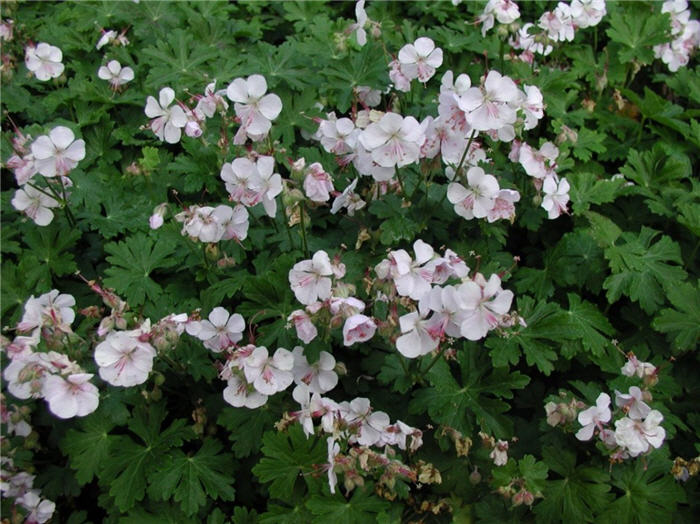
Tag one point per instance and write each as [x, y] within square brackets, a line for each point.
[350, 262]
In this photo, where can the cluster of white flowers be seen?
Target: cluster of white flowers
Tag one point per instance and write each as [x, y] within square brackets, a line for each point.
[125, 358]
[212, 224]
[253, 181]
[470, 309]
[254, 109]
[44, 60]
[686, 33]
[19, 485]
[312, 284]
[558, 25]
[418, 60]
[540, 164]
[638, 430]
[49, 375]
[52, 156]
[113, 71]
[505, 11]
[220, 332]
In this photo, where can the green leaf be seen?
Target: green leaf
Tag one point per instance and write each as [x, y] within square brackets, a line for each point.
[192, 480]
[638, 29]
[50, 245]
[288, 457]
[581, 493]
[683, 322]
[88, 447]
[133, 261]
[589, 325]
[246, 427]
[392, 372]
[650, 494]
[642, 270]
[360, 509]
[587, 190]
[587, 143]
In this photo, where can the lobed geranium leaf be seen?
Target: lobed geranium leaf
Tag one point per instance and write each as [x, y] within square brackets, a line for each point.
[362, 507]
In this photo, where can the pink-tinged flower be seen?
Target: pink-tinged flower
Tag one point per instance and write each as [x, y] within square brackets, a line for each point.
[559, 23]
[358, 328]
[220, 332]
[255, 109]
[306, 331]
[269, 375]
[633, 404]
[167, 121]
[486, 303]
[587, 13]
[418, 339]
[234, 221]
[348, 199]
[74, 396]
[40, 510]
[338, 136]
[533, 106]
[240, 394]
[115, 74]
[420, 59]
[44, 61]
[211, 100]
[6, 30]
[35, 204]
[57, 153]
[309, 279]
[238, 176]
[333, 451]
[399, 76]
[156, 219]
[50, 309]
[124, 360]
[477, 199]
[24, 168]
[634, 367]
[394, 140]
[319, 377]
[317, 183]
[371, 424]
[368, 96]
[413, 280]
[446, 266]
[359, 27]
[539, 163]
[106, 38]
[492, 106]
[636, 436]
[25, 376]
[503, 205]
[266, 184]
[556, 196]
[593, 417]
[505, 11]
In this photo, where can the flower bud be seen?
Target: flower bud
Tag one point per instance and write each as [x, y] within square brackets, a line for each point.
[475, 477]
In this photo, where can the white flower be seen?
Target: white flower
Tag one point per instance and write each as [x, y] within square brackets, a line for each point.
[394, 140]
[485, 303]
[309, 279]
[35, 204]
[417, 339]
[255, 109]
[556, 196]
[492, 106]
[106, 38]
[358, 328]
[306, 331]
[116, 74]
[594, 417]
[636, 436]
[124, 360]
[44, 61]
[212, 99]
[167, 121]
[338, 136]
[420, 59]
[57, 153]
[359, 27]
[317, 183]
[40, 511]
[633, 403]
[269, 375]
[348, 199]
[240, 394]
[74, 396]
[221, 331]
[50, 309]
[319, 377]
[476, 200]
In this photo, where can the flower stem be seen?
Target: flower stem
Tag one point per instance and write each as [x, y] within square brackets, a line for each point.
[432, 363]
[398, 176]
[466, 151]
